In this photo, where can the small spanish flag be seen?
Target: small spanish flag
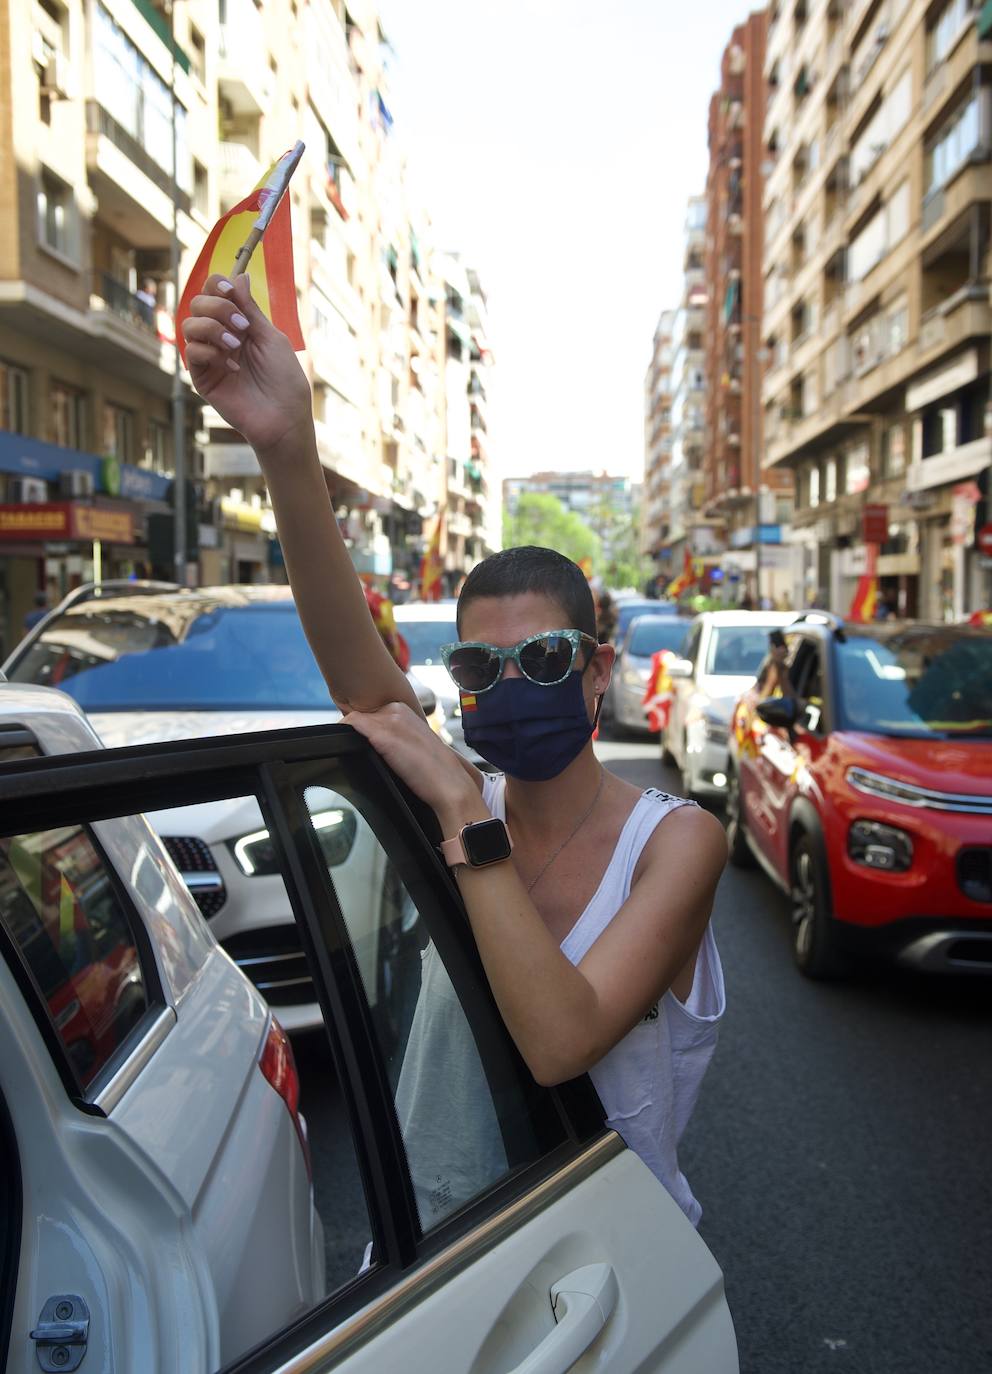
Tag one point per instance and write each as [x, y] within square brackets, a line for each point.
[688, 577]
[431, 567]
[657, 701]
[469, 702]
[273, 284]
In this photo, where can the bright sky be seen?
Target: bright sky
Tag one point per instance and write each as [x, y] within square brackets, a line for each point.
[555, 143]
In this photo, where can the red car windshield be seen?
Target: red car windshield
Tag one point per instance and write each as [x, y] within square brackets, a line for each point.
[919, 682]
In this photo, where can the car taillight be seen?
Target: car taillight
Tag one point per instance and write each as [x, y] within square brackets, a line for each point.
[279, 1069]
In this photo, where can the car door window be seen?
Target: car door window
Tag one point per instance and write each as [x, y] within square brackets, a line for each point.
[692, 644]
[65, 919]
[466, 1115]
[806, 676]
[422, 1122]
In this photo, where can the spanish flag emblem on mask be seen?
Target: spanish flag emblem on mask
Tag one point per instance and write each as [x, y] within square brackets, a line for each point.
[273, 284]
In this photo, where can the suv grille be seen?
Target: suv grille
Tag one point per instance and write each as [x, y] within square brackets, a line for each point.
[198, 870]
[975, 873]
[273, 959]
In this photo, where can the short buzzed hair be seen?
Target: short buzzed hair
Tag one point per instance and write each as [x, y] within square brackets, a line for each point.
[513, 572]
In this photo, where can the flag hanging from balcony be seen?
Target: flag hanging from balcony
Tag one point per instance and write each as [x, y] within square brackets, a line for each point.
[431, 566]
[686, 579]
[273, 284]
[865, 600]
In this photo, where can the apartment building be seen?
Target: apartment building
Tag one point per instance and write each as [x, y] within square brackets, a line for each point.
[876, 308]
[658, 445]
[690, 525]
[754, 507]
[90, 197]
[87, 204]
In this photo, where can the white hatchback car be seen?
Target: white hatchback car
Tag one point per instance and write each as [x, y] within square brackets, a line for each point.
[426, 626]
[153, 663]
[554, 1247]
[154, 1167]
[724, 650]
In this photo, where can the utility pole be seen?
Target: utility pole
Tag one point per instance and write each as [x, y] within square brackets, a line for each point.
[754, 322]
[178, 390]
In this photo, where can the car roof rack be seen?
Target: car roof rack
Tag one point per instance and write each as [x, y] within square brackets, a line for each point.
[817, 617]
[113, 586]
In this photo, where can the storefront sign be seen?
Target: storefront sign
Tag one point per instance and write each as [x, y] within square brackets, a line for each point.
[65, 520]
[875, 524]
[984, 540]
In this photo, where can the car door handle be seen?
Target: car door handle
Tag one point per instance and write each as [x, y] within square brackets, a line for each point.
[582, 1302]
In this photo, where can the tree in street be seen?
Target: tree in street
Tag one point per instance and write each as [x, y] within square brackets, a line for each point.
[542, 519]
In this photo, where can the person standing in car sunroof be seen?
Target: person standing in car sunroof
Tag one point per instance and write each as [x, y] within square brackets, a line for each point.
[593, 920]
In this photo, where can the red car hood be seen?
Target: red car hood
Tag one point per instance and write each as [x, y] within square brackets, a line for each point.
[944, 765]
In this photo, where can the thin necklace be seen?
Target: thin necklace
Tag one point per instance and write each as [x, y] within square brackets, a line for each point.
[569, 838]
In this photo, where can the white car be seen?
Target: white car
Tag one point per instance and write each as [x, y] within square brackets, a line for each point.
[153, 664]
[646, 635]
[154, 1167]
[724, 650]
[553, 1248]
[426, 625]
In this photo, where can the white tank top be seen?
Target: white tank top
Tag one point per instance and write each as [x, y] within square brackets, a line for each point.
[649, 1082]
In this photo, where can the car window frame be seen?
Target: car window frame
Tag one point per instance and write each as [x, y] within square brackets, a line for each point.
[95, 1098]
[108, 783]
[11, 1224]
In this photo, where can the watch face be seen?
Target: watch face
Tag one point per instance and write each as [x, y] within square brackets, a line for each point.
[486, 842]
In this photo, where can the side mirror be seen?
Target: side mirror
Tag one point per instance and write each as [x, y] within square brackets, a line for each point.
[680, 669]
[780, 712]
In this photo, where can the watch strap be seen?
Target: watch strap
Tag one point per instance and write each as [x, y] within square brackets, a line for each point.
[453, 851]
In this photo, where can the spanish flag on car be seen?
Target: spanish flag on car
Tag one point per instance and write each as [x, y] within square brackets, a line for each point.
[657, 700]
[273, 284]
[865, 601]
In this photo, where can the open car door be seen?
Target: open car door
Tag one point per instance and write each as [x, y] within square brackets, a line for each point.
[496, 1227]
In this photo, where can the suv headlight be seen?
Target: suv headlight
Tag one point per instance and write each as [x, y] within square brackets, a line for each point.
[715, 730]
[255, 854]
[880, 846]
[634, 677]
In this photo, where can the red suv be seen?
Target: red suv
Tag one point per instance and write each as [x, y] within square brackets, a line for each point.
[864, 789]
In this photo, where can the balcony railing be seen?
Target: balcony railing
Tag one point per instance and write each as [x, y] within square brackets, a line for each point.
[123, 303]
[98, 121]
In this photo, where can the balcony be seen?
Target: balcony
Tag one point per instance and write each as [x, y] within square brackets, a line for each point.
[243, 74]
[129, 338]
[133, 192]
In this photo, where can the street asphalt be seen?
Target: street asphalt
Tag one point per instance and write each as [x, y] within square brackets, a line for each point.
[841, 1150]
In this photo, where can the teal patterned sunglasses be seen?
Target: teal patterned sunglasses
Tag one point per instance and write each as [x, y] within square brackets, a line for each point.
[546, 658]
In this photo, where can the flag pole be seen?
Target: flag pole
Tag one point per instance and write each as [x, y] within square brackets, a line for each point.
[271, 194]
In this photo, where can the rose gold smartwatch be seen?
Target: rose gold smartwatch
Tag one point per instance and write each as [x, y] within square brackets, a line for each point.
[478, 844]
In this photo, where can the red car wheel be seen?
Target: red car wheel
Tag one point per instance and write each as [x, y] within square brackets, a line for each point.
[814, 939]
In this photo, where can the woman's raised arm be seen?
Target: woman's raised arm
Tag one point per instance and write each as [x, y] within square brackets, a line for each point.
[246, 369]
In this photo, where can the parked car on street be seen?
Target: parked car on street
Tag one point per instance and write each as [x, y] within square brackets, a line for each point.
[555, 1245]
[426, 625]
[147, 1094]
[646, 635]
[724, 650]
[865, 792]
[166, 664]
[627, 607]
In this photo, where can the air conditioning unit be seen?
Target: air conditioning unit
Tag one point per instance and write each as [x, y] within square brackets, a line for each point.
[76, 482]
[56, 76]
[26, 490]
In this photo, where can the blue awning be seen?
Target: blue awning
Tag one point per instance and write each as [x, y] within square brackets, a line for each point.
[29, 457]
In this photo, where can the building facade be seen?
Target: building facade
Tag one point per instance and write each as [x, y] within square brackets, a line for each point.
[655, 518]
[876, 311]
[90, 198]
[754, 506]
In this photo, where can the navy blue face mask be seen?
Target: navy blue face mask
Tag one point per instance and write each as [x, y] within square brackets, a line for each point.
[529, 731]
